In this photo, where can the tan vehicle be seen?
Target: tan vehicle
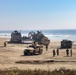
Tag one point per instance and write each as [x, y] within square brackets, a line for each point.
[33, 50]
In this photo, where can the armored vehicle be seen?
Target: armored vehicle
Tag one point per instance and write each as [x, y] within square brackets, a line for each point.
[15, 37]
[33, 50]
[66, 44]
[39, 37]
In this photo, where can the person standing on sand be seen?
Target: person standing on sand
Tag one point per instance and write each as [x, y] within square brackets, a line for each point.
[67, 52]
[71, 52]
[46, 47]
[54, 53]
[57, 52]
[5, 44]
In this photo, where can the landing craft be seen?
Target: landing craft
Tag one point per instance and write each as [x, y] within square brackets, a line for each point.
[32, 37]
[15, 37]
[39, 37]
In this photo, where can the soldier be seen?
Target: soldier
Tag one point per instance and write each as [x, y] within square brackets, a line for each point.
[46, 47]
[67, 52]
[34, 44]
[71, 52]
[53, 52]
[57, 52]
[4, 44]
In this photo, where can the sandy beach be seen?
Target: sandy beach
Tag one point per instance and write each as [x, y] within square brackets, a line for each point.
[13, 53]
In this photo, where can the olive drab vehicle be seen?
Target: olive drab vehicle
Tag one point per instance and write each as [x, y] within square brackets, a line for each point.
[33, 49]
[39, 37]
[15, 37]
[66, 44]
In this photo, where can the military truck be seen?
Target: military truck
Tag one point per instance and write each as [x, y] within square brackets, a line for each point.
[33, 49]
[66, 44]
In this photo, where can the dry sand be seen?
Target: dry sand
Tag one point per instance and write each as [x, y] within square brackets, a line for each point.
[14, 52]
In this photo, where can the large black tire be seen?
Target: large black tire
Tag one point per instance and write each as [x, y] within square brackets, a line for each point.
[40, 51]
[26, 52]
[34, 52]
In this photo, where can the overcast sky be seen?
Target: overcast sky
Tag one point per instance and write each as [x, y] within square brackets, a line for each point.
[37, 14]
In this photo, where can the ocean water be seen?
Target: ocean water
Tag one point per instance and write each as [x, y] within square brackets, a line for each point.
[69, 34]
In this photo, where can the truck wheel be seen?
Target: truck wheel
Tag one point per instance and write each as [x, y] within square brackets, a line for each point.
[33, 52]
[26, 52]
[40, 51]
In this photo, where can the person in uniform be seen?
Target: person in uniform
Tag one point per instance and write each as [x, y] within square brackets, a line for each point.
[46, 47]
[34, 44]
[57, 52]
[54, 53]
[71, 52]
[67, 52]
[4, 44]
